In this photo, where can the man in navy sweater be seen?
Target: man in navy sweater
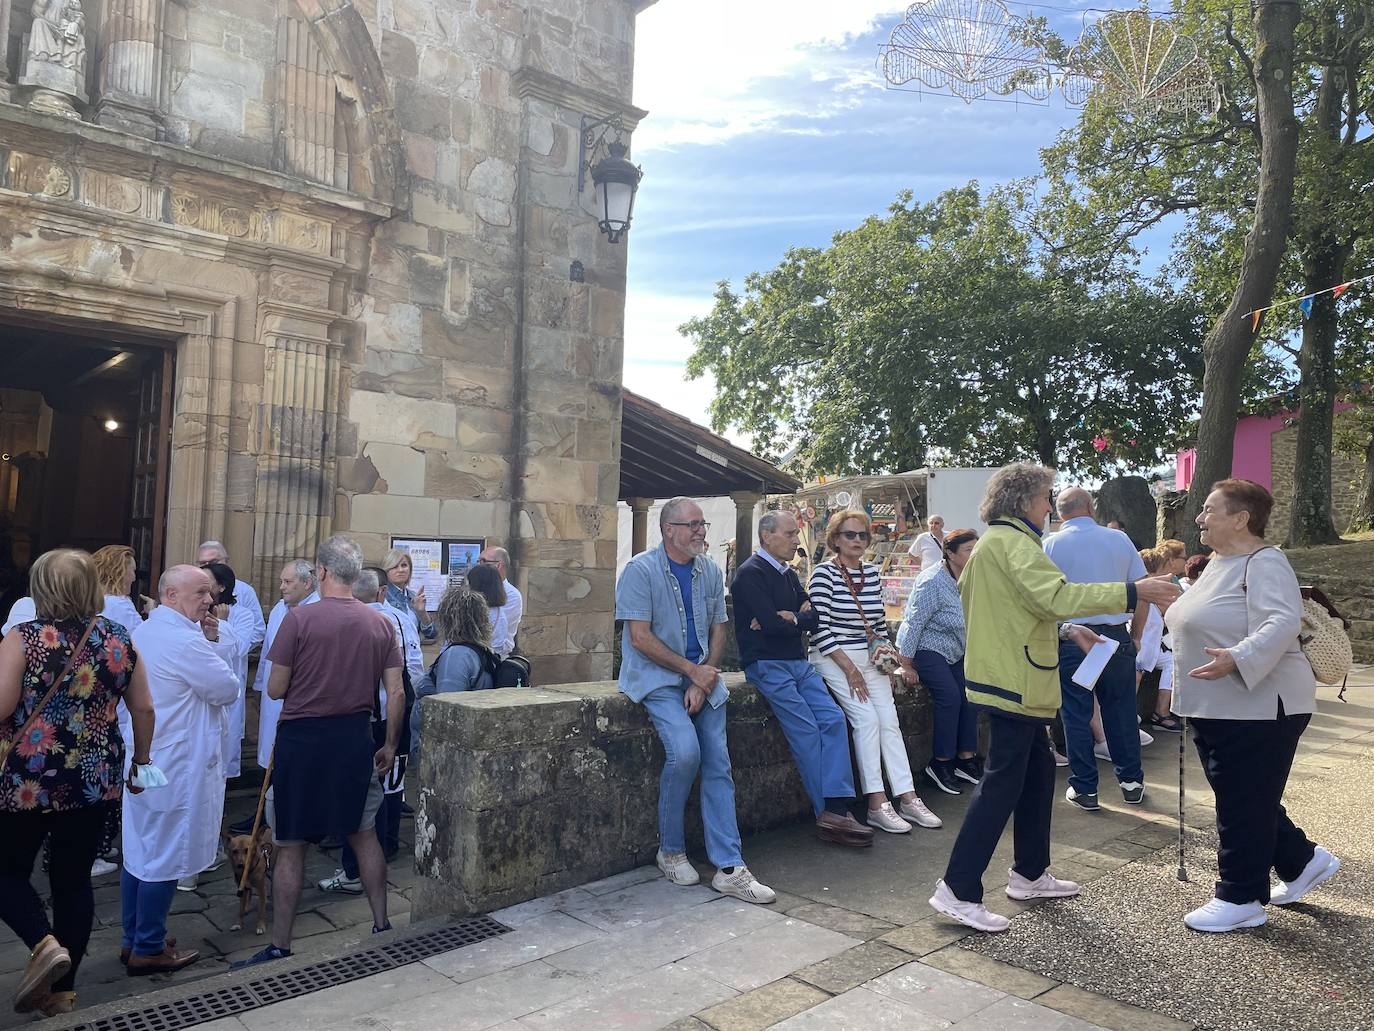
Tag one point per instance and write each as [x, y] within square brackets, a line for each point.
[772, 612]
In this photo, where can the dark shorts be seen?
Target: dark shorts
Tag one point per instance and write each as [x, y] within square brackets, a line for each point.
[322, 778]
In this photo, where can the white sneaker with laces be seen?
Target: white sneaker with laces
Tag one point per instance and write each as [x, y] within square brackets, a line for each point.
[1100, 750]
[100, 867]
[1219, 915]
[1321, 867]
[1046, 886]
[743, 885]
[188, 883]
[916, 812]
[1145, 739]
[970, 914]
[677, 869]
[343, 885]
[886, 819]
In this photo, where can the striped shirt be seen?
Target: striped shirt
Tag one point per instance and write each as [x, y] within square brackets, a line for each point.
[841, 624]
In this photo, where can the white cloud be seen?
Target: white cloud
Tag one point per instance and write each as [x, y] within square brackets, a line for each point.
[700, 63]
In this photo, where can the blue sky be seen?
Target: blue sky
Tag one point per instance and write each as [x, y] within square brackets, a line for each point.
[770, 127]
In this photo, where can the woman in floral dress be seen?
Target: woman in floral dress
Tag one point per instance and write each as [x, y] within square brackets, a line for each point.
[59, 776]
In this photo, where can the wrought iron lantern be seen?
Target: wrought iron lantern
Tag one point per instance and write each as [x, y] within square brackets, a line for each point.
[615, 181]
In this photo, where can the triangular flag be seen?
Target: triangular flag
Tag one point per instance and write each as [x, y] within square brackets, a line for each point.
[1256, 317]
[1306, 305]
[1336, 291]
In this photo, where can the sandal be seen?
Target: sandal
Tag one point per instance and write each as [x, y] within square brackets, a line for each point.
[1170, 724]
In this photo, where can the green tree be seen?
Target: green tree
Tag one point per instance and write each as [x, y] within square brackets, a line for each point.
[947, 331]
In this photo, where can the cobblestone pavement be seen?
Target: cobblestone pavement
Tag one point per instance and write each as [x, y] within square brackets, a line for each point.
[201, 920]
[852, 943]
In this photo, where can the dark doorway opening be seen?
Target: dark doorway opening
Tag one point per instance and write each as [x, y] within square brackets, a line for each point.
[85, 425]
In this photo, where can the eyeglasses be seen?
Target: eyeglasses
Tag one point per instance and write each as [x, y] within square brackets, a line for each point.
[694, 525]
[854, 535]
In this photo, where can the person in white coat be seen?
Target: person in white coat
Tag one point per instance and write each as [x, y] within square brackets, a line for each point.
[172, 832]
[514, 609]
[297, 587]
[245, 616]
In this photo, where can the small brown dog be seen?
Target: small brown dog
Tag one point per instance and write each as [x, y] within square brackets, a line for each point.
[256, 853]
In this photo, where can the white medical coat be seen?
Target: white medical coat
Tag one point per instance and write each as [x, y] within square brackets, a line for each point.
[245, 616]
[172, 832]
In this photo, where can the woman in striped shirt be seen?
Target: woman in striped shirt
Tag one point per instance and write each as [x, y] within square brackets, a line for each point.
[846, 593]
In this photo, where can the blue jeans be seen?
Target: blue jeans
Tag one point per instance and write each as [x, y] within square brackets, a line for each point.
[956, 722]
[1116, 698]
[812, 723]
[146, 905]
[693, 743]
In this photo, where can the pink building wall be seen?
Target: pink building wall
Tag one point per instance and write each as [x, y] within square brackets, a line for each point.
[1252, 453]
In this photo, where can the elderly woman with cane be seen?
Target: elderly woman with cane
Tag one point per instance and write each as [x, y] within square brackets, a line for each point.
[1246, 687]
[1013, 596]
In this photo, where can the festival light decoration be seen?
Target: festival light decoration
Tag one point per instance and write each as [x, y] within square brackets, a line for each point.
[1137, 63]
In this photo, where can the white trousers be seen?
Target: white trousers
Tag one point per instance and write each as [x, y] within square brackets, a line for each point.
[873, 725]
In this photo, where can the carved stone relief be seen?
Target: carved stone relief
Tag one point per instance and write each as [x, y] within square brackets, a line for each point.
[55, 57]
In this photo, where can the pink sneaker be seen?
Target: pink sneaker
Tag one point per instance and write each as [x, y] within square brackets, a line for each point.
[970, 914]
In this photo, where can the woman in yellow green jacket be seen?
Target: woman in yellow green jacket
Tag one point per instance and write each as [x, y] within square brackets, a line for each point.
[1014, 600]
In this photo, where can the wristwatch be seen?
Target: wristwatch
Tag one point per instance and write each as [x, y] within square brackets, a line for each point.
[1066, 631]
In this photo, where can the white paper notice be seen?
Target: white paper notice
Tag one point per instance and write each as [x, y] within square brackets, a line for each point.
[1094, 663]
[424, 567]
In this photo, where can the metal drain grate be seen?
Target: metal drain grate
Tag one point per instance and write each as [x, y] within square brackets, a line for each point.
[291, 984]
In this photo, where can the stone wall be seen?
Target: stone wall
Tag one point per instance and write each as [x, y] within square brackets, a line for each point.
[525, 792]
[1347, 474]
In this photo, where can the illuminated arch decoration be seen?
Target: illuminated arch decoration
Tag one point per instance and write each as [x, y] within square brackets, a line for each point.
[1139, 64]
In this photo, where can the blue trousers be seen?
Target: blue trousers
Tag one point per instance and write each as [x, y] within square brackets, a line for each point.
[813, 724]
[1116, 698]
[692, 744]
[146, 905]
[956, 722]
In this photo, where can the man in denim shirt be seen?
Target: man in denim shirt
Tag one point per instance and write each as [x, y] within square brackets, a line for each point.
[672, 600]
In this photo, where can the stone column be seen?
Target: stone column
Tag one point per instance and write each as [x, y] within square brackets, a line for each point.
[639, 524]
[744, 500]
[293, 506]
[131, 67]
[6, 86]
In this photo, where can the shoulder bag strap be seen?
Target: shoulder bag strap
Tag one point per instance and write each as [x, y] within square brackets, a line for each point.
[77, 649]
[858, 604]
[1245, 573]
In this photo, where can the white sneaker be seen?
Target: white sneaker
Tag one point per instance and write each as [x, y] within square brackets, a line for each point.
[221, 857]
[743, 885]
[886, 819]
[188, 883]
[1046, 886]
[1218, 915]
[100, 868]
[1321, 867]
[916, 812]
[1145, 739]
[970, 914]
[342, 884]
[1100, 750]
[677, 869]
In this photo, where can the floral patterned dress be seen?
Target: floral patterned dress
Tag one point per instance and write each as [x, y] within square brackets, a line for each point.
[73, 754]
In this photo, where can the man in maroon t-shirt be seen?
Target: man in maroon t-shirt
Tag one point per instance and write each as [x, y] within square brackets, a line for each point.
[327, 660]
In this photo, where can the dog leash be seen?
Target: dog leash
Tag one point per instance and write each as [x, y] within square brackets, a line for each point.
[257, 818]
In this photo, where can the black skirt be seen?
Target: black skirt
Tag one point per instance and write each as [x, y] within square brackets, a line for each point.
[321, 774]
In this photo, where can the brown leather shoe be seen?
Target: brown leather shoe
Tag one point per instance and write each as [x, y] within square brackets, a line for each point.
[168, 942]
[48, 962]
[843, 830]
[168, 961]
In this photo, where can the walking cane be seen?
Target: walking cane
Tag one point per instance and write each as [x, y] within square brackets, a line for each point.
[1182, 733]
[257, 819]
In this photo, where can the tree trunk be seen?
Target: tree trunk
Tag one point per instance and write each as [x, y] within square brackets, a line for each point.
[1325, 247]
[1364, 512]
[1228, 343]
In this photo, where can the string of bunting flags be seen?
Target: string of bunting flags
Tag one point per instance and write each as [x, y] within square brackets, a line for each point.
[1304, 302]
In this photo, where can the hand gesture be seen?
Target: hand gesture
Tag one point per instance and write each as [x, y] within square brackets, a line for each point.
[1084, 638]
[417, 603]
[909, 675]
[221, 612]
[1223, 664]
[209, 626]
[382, 760]
[704, 677]
[1156, 591]
[787, 617]
[146, 605]
[857, 687]
[694, 699]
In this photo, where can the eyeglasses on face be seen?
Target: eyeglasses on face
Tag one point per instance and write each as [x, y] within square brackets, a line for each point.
[694, 525]
[854, 535]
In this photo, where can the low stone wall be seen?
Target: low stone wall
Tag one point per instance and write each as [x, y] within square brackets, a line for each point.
[526, 791]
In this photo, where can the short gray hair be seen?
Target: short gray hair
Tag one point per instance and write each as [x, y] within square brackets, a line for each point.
[772, 522]
[213, 545]
[367, 585]
[1012, 488]
[671, 508]
[303, 570]
[342, 557]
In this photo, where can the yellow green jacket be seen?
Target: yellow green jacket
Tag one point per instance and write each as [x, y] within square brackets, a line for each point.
[1014, 598]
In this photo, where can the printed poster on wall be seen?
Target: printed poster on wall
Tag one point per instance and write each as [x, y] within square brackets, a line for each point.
[438, 563]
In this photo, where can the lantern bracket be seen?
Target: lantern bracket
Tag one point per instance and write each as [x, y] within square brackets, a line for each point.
[592, 133]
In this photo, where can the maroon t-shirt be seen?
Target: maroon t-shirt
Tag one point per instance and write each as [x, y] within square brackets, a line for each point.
[337, 650]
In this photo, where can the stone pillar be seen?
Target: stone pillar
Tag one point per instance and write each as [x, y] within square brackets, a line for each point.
[296, 427]
[639, 524]
[6, 86]
[131, 67]
[744, 500]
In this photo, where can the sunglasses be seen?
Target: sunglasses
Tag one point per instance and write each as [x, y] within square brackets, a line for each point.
[854, 535]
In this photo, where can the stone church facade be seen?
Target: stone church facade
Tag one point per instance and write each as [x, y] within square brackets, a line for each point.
[351, 232]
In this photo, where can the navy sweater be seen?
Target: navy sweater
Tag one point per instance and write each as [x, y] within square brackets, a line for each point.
[761, 592]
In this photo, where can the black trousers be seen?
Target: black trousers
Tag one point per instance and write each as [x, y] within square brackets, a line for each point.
[74, 839]
[1018, 779]
[1247, 763]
